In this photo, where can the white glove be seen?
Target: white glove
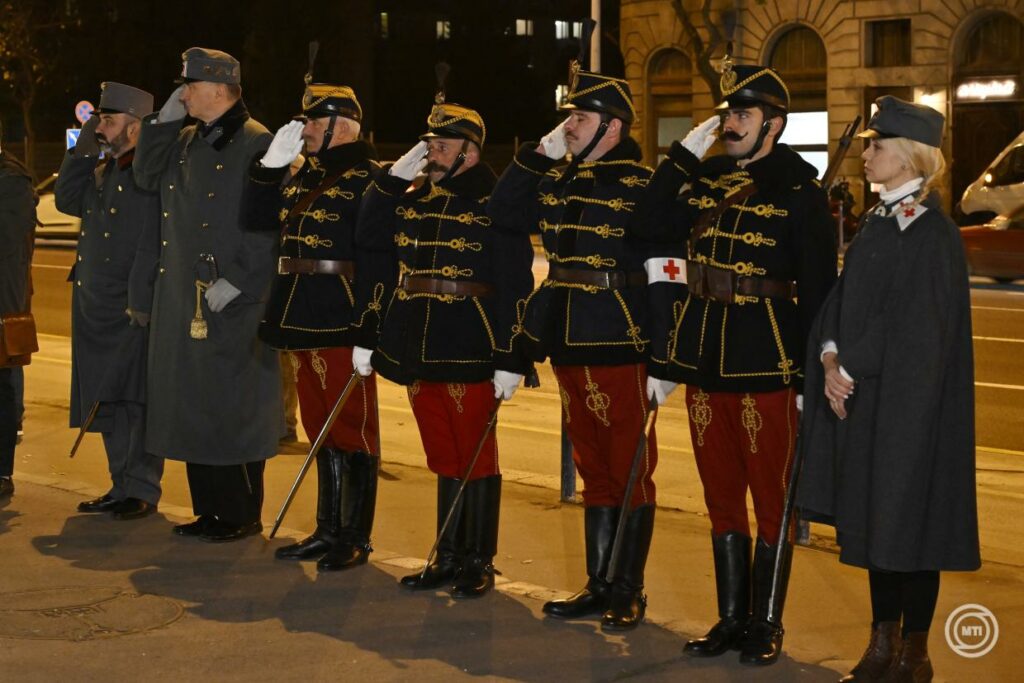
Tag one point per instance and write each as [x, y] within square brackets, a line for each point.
[410, 163]
[361, 360]
[553, 143]
[659, 389]
[173, 109]
[220, 294]
[505, 384]
[700, 139]
[800, 403]
[285, 146]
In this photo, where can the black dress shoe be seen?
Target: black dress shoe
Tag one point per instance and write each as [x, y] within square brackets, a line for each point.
[218, 531]
[133, 508]
[104, 503]
[192, 528]
[310, 548]
[6, 488]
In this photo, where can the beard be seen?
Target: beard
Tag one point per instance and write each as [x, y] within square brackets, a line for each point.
[115, 146]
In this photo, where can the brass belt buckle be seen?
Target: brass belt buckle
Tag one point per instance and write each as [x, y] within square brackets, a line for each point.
[280, 265]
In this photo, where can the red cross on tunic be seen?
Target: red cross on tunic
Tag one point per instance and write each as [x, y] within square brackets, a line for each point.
[909, 212]
[671, 269]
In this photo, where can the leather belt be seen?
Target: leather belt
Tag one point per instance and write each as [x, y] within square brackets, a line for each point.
[607, 279]
[719, 284]
[308, 266]
[420, 284]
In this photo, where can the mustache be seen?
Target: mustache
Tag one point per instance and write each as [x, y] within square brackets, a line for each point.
[101, 138]
[434, 166]
[733, 136]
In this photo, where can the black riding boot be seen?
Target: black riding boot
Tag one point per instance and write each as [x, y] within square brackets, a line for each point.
[627, 603]
[732, 580]
[481, 510]
[599, 531]
[448, 560]
[762, 643]
[328, 511]
[358, 502]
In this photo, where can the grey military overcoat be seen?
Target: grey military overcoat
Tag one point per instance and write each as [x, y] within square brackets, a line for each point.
[114, 269]
[213, 401]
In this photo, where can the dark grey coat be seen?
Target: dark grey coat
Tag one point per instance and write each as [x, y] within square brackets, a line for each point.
[215, 401]
[115, 266]
[896, 478]
[17, 222]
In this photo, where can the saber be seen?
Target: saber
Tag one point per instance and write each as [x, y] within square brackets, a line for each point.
[634, 471]
[491, 419]
[774, 602]
[85, 427]
[355, 379]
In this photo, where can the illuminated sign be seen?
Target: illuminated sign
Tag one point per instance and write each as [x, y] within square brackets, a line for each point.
[983, 90]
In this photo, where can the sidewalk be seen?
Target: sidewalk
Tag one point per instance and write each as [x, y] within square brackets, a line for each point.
[87, 598]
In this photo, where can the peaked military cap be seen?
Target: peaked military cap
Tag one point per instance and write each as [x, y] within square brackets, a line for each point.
[118, 98]
[450, 120]
[898, 118]
[751, 84]
[592, 91]
[202, 64]
[325, 99]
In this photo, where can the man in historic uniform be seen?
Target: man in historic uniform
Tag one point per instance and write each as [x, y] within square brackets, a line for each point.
[312, 308]
[761, 258]
[589, 318]
[445, 331]
[214, 388]
[112, 292]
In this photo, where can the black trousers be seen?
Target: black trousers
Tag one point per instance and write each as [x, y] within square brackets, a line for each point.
[221, 491]
[8, 422]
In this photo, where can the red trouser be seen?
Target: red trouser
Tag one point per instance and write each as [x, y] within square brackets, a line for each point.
[452, 417]
[320, 376]
[604, 415]
[741, 441]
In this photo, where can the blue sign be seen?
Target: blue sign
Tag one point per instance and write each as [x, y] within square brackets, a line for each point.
[83, 110]
[71, 136]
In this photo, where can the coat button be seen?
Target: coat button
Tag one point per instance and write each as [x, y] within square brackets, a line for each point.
[106, 260]
[83, 233]
[120, 189]
[113, 209]
[79, 257]
[171, 186]
[219, 167]
[210, 195]
[167, 214]
[88, 210]
[205, 225]
[163, 270]
[164, 243]
[78, 284]
[106, 234]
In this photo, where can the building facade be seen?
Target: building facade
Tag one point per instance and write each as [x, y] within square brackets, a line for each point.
[965, 58]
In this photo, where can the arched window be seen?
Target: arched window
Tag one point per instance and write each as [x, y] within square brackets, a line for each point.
[799, 56]
[669, 102]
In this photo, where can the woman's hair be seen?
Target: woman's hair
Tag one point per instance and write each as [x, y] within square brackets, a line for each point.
[924, 160]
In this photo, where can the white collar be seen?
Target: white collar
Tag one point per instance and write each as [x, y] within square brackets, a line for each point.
[892, 196]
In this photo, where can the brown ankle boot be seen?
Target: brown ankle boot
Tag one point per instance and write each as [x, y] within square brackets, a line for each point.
[882, 650]
[912, 665]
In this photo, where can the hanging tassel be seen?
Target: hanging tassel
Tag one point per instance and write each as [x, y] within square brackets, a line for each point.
[198, 329]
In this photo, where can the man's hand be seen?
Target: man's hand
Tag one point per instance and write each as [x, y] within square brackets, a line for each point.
[137, 318]
[173, 109]
[410, 163]
[88, 145]
[659, 389]
[505, 384]
[553, 144]
[838, 388]
[285, 146]
[361, 361]
[220, 294]
[700, 139]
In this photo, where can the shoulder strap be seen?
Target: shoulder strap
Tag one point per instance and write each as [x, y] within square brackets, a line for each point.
[707, 221]
[313, 195]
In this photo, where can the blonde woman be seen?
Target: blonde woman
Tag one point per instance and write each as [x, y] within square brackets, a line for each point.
[888, 434]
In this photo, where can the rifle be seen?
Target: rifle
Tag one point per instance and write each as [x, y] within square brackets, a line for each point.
[837, 158]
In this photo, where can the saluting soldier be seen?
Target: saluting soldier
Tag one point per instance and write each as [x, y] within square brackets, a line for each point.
[589, 318]
[445, 331]
[312, 308]
[214, 388]
[761, 259]
[118, 249]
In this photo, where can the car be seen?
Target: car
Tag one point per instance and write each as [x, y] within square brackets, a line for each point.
[996, 249]
[1000, 188]
[52, 224]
